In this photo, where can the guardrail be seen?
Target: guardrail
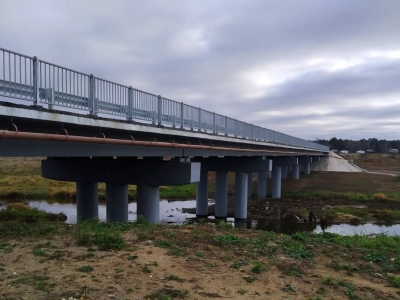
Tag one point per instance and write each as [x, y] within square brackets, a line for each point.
[31, 79]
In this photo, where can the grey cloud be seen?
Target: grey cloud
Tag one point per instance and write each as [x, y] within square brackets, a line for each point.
[196, 52]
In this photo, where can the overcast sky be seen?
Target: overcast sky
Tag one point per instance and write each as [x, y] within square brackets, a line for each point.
[311, 69]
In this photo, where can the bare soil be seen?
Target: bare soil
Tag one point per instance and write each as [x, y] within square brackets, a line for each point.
[204, 272]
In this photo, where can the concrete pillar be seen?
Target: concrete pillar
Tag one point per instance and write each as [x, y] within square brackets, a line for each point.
[262, 184]
[221, 195]
[249, 184]
[295, 171]
[117, 202]
[202, 194]
[276, 181]
[87, 201]
[148, 203]
[307, 168]
[284, 172]
[241, 184]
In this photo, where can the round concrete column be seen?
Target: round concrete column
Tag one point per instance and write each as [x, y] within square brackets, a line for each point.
[295, 171]
[307, 168]
[284, 172]
[262, 184]
[249, 184]
[202, 195]
[221, 194]
[241, 183]
[87, 201]
[117, 202]
[148, 203]
[276, 182]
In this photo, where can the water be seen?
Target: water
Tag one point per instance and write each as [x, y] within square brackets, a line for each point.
[171, 212]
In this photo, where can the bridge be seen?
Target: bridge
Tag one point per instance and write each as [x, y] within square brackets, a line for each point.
[93, 130]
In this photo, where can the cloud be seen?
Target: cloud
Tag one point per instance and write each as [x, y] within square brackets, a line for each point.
[309, 69]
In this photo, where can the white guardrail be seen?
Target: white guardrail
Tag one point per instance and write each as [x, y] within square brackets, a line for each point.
[28, 78]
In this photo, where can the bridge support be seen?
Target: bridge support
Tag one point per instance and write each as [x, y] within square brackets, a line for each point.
[202, 194]
[295, 171]
[221, 194]
[117, 202]
[279, 169]
[87, 201]
[249, 184]
[148, 203]
[276, 181]
[241, 184]
[147, 174]
[307, 168]
[262, 184]
[284, 172]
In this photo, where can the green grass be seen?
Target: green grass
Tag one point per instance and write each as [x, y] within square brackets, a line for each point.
[85, 269]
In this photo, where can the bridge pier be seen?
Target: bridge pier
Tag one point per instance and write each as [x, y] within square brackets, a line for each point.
[295, 172]
[262, 184]
[87, 201]
[147, 174]
[241, 185]
[284, 172]
[276, 181]
[221, 194]
[202, 194]
[307, 168]
[279, 166]
[117, 202]
[249, 184]
[148, 203]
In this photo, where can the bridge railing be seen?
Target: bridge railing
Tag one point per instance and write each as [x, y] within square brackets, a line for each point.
[31, 79]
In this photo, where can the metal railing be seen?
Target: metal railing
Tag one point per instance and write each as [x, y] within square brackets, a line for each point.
[29, 78]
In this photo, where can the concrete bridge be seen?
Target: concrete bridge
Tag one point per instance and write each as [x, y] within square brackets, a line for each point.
[92, 130]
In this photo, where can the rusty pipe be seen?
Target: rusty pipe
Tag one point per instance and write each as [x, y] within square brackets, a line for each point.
[103, 140]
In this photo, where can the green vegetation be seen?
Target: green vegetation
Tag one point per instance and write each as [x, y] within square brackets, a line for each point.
[85, 269]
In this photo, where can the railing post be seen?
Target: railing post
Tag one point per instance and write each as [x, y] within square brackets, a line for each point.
[182, 120]
[159, 110]
[92, 96]
[226, 125]
[236, 128]
[214, 125]
[36, 77]
[129, 113]
[199, 118]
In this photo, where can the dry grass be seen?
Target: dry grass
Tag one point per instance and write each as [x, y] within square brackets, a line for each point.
[17, 206]
[379, 196]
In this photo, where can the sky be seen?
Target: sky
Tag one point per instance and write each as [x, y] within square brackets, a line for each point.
[313, 69]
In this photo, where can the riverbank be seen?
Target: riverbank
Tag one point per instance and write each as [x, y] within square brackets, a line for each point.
[47, 260]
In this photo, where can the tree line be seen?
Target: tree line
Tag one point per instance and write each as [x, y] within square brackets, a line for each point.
[380, 146]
